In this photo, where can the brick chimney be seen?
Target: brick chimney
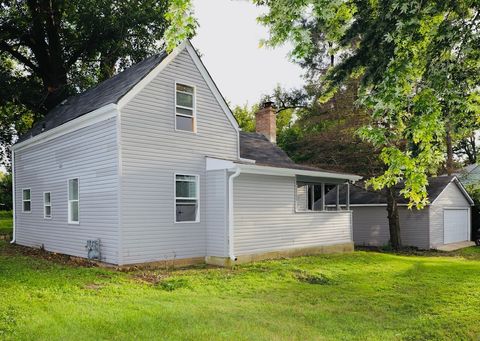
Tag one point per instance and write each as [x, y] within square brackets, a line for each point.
[265, 121]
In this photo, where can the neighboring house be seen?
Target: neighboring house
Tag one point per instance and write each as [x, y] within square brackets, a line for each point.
[469, 175]
[445, 220]
[152, 164]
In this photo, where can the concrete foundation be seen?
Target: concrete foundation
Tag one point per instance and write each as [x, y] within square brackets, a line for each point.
[294, 252]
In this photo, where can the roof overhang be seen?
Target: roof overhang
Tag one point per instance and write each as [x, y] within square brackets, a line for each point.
[101, 114]
[215, 164]
[454, 180]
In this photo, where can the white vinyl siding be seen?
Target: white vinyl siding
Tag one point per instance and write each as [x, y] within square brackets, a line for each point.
[216, 213]
[152, 151]
[26, 200]
[91, 154]
[47, 205]
[370, 226]
[186, 198]
[185, 115]
[265, 218]
[73, 201]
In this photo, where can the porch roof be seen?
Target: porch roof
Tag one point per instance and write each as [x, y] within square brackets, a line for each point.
[291, 170]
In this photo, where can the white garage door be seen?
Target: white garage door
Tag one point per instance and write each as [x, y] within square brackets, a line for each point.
[455, 225]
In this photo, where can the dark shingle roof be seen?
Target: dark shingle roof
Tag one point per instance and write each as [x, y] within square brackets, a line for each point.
[106, 92]
[360, 196]
[257, 147]
[469, 175]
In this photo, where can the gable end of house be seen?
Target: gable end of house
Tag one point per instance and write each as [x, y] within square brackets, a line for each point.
[78, 111]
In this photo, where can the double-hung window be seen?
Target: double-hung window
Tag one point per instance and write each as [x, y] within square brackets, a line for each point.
[186, 198]
[73, 201]
[26, 200]
[185, 108]
[47, 205]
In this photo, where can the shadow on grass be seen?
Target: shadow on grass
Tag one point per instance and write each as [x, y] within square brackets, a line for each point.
[472, 252]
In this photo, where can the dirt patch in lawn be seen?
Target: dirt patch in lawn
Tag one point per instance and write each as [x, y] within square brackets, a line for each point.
[312, 278]
[40, 253]
[93, 286]
[150, 277]
[161, 280]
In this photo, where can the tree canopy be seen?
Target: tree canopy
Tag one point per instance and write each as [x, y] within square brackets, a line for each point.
[419, 67]
[6, 202]
[50, 50]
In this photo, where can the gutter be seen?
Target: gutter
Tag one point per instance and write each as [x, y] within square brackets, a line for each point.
[13, 195]
[252, 168]
[231, 251]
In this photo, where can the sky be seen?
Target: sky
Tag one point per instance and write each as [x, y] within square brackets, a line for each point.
[228, 39]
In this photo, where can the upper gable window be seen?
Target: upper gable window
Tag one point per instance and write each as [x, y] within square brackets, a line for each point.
[185, 108]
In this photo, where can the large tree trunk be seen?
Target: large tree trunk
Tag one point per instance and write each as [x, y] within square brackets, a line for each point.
[47, 47]
[471, 149]
[393, 219]
[448, 138]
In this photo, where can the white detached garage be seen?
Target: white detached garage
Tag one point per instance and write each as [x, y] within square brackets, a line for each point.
[445, 220]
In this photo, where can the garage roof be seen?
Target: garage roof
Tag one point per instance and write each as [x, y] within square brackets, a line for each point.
[361, 196]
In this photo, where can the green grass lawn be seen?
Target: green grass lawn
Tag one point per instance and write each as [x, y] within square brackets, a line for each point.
[358, 296]
[6, 222]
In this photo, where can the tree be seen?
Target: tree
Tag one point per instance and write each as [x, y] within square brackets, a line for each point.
[328, 139]
[50, 50]
[467, 147]
[182, 23]
[246, 117]
[418, 62]
[6, 202]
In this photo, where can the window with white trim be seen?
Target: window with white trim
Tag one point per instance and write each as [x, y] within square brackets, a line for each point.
[26, 200]
[73, 201]
[47, 205]
[184, 107]
[186, 198]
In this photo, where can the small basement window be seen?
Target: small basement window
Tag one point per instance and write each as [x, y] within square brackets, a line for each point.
[26, 200]
[73, 201]
[185, 108]
[312, 196]
[186, 198]
[47, 205]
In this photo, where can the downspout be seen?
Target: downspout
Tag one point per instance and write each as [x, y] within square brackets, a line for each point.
[13, 195]
[230, 215]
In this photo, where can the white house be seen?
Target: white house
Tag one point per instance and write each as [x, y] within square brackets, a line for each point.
[151, 165]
